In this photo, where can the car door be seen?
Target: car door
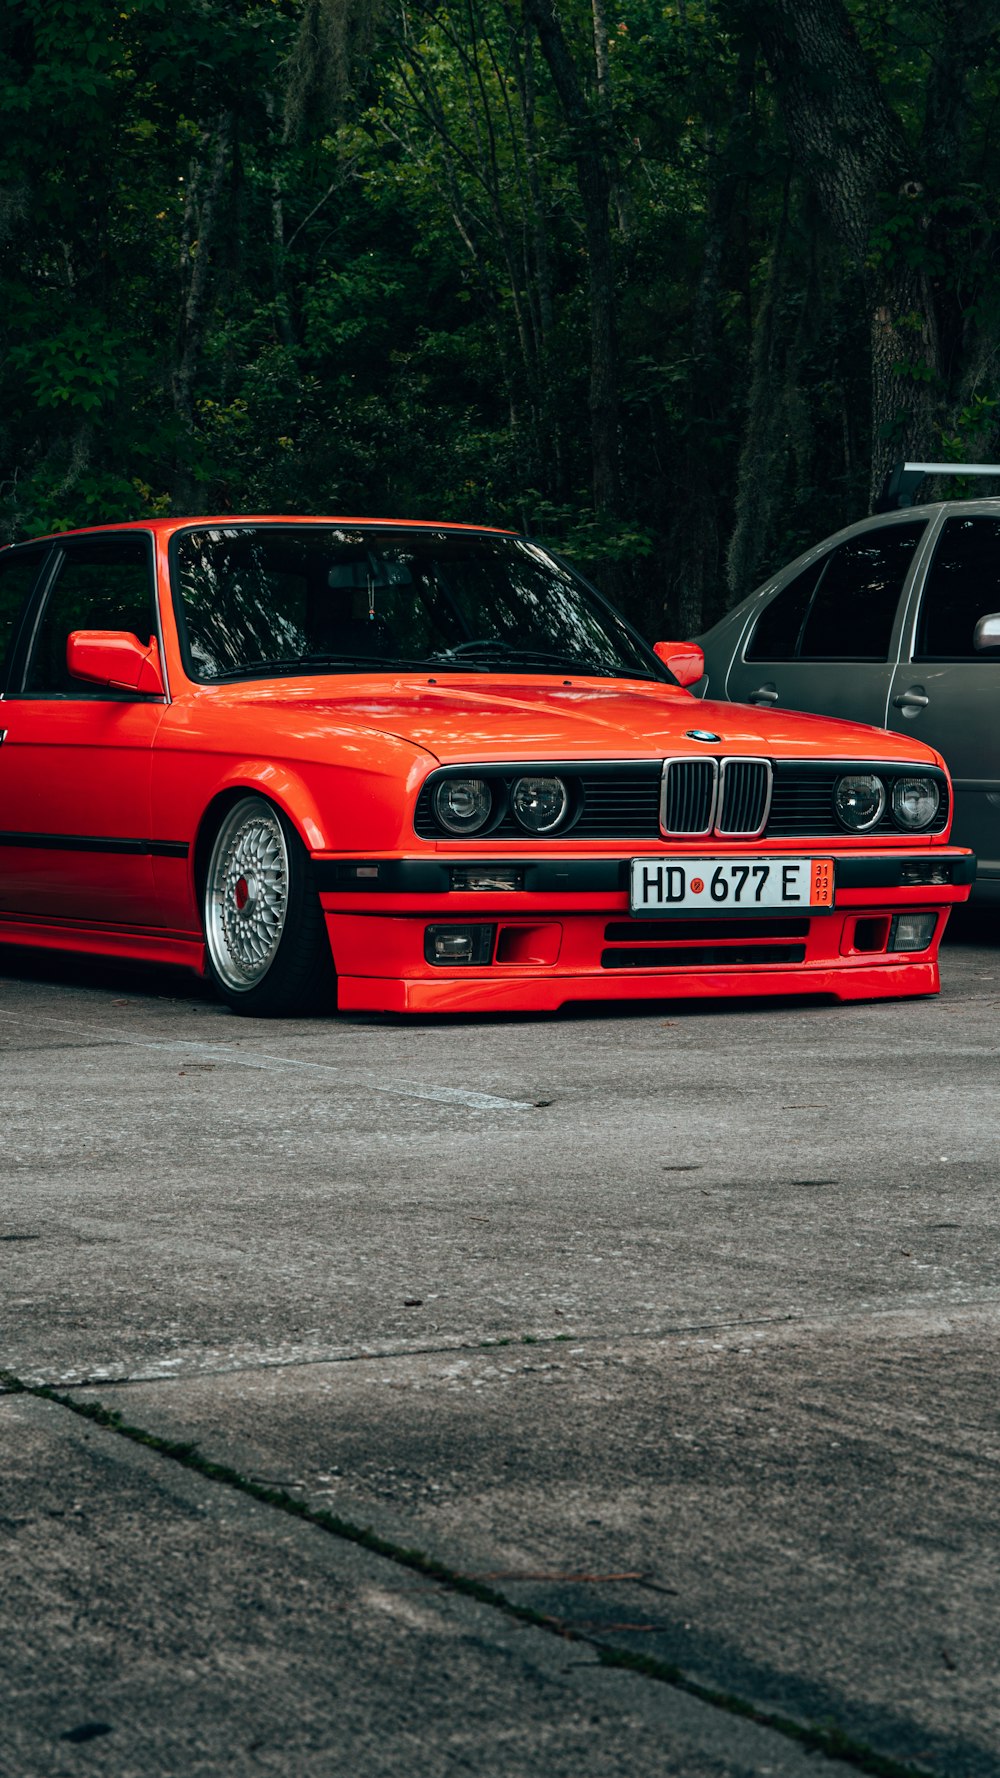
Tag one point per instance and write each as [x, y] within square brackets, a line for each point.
[75, 758]
[947, 692]
[827, 640]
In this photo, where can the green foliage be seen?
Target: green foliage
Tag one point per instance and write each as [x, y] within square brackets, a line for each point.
[76, 368]
[585, 535]
[223, 286]
[972, 429]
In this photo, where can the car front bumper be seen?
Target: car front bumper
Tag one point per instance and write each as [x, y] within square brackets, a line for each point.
[566, 933]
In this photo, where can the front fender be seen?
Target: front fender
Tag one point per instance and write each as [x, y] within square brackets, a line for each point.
[341, 792]
[282, 785]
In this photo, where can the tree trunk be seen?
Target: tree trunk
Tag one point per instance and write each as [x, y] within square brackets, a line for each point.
[696, 526]
[852, 146]
[201, 221]
[279, 246]
[589, 153]
[759, 474]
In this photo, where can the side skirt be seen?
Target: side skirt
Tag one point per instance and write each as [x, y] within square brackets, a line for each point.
[141, 944]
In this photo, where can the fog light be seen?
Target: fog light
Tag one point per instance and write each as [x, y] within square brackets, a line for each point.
[912, 932]
[462, 945]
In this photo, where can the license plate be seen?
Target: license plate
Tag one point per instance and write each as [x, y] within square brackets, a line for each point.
[716, 886]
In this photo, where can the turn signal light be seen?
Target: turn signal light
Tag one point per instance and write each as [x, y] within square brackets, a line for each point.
[486, 879]
[921, 874]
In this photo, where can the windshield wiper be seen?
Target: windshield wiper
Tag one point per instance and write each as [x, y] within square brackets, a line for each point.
[300, 662]
[466, 657]
[509, 654]
[571, 663]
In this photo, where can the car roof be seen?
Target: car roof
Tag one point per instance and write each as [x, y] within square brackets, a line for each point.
[874, 521]
[928, 508]
[165, 527]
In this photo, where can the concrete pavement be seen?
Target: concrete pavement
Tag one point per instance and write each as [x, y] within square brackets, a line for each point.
[678, 1329]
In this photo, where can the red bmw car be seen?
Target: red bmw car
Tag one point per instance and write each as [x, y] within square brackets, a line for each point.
[427, 768]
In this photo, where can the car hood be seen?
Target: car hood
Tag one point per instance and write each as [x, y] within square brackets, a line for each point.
[539, 719]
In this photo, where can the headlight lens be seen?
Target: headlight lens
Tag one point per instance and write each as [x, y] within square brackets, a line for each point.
[859, 801]
[463, 805]
[540, 804]
[915, 802]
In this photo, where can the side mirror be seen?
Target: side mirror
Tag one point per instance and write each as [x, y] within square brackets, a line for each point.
[685, 660]
[115, 658]
[987, 631]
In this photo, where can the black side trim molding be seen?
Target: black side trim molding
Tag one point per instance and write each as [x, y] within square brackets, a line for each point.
[431, 876]
[886, 870]
[81, 842]
[555, 876]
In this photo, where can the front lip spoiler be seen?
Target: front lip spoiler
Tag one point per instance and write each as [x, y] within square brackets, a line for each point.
[596, 876]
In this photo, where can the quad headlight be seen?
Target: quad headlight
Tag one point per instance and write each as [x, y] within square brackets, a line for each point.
[463, 805]
[540, 804]
[915, 802]
[859, 801]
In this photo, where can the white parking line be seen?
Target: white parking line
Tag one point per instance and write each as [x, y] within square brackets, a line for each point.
[223, 1052]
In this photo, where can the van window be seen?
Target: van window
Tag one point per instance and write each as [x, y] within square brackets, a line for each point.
[854, 606]
[843, 606]
[963, 585]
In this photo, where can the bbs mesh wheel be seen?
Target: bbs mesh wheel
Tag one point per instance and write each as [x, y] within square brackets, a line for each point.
[268, 952]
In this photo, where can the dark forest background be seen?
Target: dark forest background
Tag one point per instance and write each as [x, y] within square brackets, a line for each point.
[667, 285]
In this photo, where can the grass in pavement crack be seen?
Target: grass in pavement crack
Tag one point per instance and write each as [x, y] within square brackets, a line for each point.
[814, 1737]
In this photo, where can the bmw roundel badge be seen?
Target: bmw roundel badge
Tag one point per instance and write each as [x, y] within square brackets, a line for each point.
[701, 734]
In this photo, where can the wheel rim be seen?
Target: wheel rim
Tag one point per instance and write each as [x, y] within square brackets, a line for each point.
[246, 896]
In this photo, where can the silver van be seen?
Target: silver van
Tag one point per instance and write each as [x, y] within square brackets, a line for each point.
[893, 621]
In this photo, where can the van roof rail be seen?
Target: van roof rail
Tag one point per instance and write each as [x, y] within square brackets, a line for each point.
[903, 480]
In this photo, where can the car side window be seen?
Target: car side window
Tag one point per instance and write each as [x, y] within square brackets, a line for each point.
[102, 585]
[854, 606]
[18, 573]
[962, 586]
[843, 606]
[776, 636]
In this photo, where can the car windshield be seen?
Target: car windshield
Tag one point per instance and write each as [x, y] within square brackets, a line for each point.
[279, 599]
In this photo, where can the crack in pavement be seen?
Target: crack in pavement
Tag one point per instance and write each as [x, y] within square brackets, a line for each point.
[169, 1370]
[825, 1739]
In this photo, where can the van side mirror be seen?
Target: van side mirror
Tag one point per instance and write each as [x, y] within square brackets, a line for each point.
[115, 658]
[685, 660]
[987, 632]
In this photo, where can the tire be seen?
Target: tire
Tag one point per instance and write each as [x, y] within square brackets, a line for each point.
[268, 951]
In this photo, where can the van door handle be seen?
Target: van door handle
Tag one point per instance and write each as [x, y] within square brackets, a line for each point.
[911, 698]
[765, 694]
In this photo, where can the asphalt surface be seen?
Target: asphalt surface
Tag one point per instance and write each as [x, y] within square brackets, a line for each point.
[607, 1393]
